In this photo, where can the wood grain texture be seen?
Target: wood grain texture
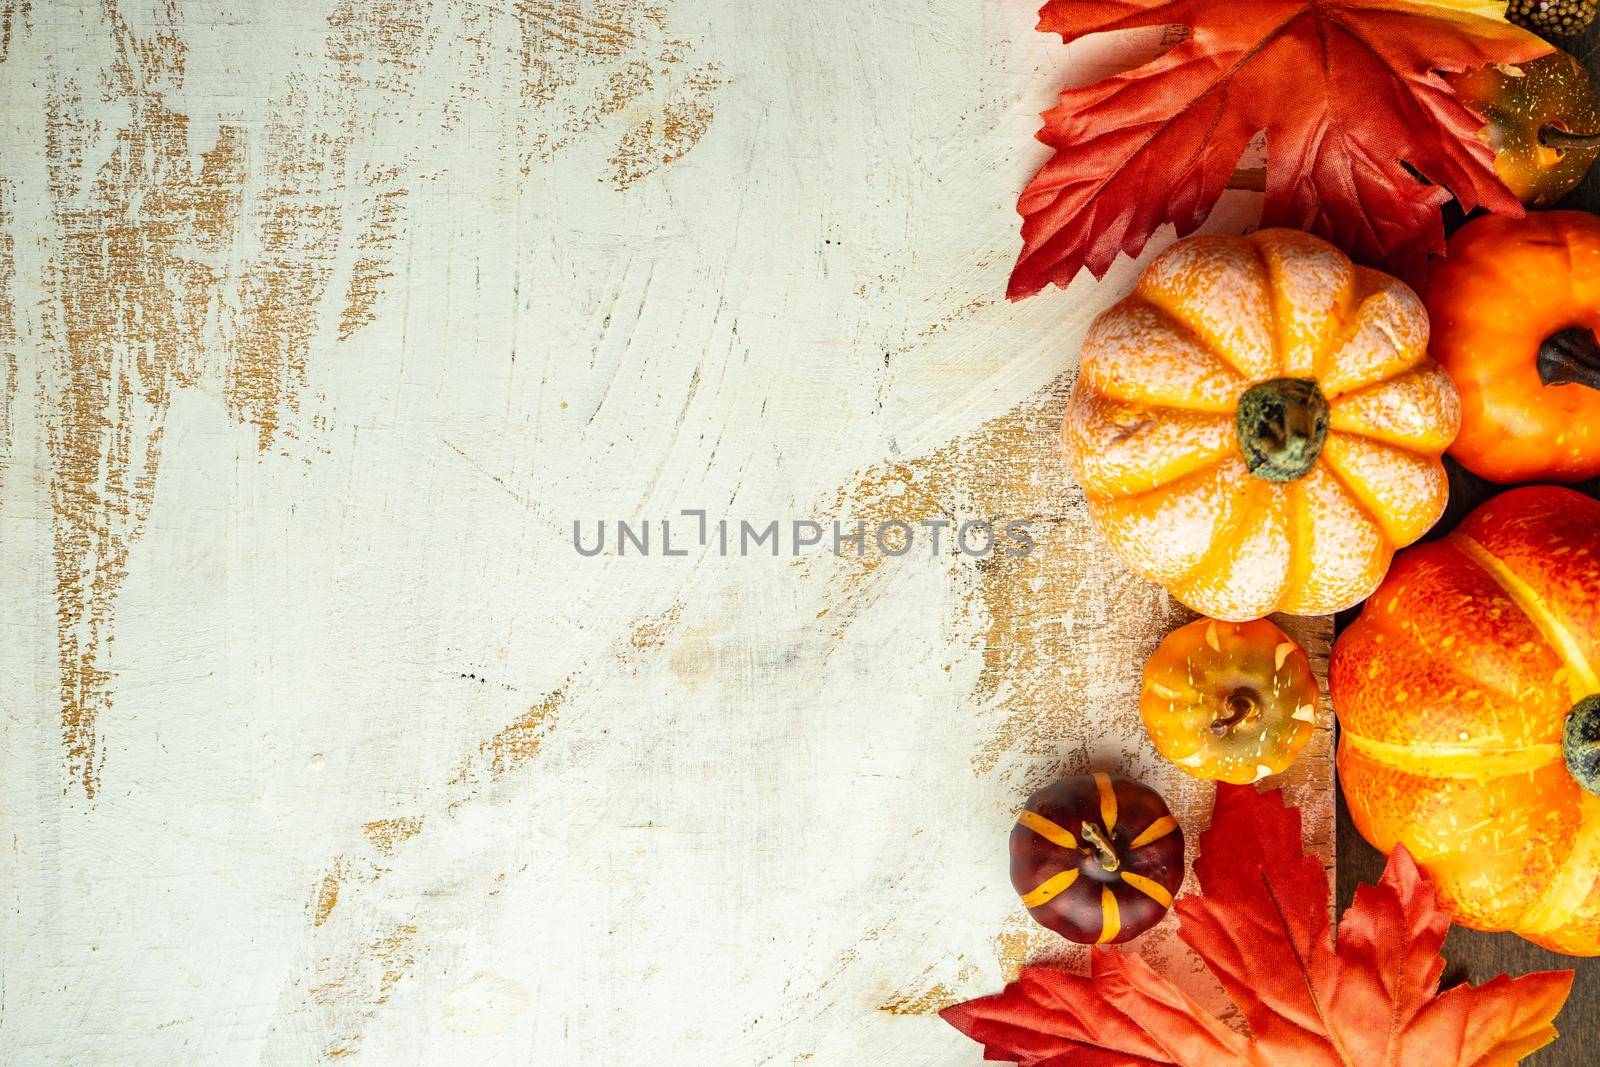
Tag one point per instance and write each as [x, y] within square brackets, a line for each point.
[323, 321]
[1472, 955]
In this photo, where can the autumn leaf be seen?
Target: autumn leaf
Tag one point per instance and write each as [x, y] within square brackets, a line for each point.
[1262, 927]
[1488, 8]
[1347, 92]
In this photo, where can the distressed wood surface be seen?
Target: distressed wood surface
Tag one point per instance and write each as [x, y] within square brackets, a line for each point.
[323, 322]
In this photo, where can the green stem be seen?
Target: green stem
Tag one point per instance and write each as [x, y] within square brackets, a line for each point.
[1580, 743]
[1282, 425]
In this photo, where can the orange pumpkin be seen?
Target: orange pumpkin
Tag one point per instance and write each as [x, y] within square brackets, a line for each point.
[1258, 426]
[1468, 696]
[1515, 307]
[1229, 701]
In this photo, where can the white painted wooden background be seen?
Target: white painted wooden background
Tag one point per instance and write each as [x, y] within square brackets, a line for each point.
[321, 323]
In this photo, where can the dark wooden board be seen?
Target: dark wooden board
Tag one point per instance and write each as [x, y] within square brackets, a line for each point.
[1472, 955]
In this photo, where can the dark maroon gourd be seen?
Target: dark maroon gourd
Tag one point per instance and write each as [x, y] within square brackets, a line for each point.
[1097, 858]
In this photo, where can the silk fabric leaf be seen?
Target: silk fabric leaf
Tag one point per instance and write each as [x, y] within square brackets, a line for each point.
[1349, 97]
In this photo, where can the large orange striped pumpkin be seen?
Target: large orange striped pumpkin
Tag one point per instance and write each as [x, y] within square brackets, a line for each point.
[1468, 696]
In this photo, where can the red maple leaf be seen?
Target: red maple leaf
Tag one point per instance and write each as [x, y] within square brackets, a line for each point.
[1347, 92]
[1262, 928]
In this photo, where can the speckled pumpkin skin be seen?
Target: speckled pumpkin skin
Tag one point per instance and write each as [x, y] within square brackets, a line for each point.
[1150, 427]
[1451, 691]
[1553, 90]
[1506, 285]
[1229, 701]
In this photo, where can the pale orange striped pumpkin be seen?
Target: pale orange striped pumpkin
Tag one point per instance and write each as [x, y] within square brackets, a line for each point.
[1258, 426]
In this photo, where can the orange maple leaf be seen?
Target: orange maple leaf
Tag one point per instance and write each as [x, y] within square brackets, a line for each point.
[1347, 92]
[1262, 928]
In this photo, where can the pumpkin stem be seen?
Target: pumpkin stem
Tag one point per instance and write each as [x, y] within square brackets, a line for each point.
[1282, 425]
[1556, 137]
[1241, 705]
[1580, 743]
[1102, 847]
[1571, 356]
